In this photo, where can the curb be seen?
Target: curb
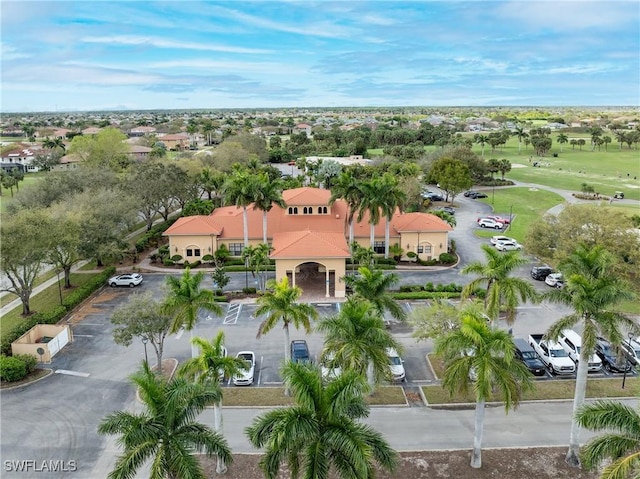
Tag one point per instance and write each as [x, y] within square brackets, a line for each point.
[23, 385]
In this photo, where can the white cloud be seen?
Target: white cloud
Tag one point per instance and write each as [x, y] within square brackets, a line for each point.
[7, 52]
[163, 43]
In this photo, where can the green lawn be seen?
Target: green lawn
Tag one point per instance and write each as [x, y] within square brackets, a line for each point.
[524, 205]
[270, 397]
[544, 390]
[45, 300]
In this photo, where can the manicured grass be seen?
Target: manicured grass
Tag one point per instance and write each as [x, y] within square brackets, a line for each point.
[526, 206]
[43, 301]
[545, 390]
[272, 397]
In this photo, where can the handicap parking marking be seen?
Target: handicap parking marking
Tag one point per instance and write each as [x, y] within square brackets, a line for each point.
[233, 312]
[249, 311]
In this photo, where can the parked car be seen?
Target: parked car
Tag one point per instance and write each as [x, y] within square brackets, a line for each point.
[470, 193]
[300, 351]
[619, 195]
[487, 223]
[525, 353]
[613, 358]
[541, 272]
[572, 344]
[555, 280]
[446, 209]
[128, 279]
[632, 350]
[395, 366]
[499, 219]
[245, 378]
[478, 194]
[433, 197]
[508, 246]
[496, 239]
[330, 370]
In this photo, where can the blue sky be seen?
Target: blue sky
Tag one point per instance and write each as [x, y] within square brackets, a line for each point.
[96, 55]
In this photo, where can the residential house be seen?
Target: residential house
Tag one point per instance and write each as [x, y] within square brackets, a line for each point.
[178, 141]
[309, 237]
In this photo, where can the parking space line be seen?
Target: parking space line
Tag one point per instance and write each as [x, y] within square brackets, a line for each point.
[83, 335]
[233, 313]
[71, 373]
[260, 370]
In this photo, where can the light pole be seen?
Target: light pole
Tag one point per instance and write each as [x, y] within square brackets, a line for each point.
[493, 193]
[59, 287]
[624, 374]
[510, 213]
[144, 342]
[246, 274]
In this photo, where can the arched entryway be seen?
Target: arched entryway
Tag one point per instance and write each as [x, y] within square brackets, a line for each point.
[315, 279]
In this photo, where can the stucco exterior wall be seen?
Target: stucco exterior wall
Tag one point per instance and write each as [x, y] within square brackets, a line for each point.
[437, 241]
[331, 264]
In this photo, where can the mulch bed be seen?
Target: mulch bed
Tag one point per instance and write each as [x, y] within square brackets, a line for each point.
[538, 463]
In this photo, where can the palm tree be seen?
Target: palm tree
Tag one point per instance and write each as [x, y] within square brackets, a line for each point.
[371, 203]
[373, 286]
[593, 291]
[358, 340]
[280, 305]
[240, 189]
[481, 140]
[322, 432]
[562, 139]
[520, 133]
[620, 444]
[502, 291]
[446, 217]
[257, 257]
[347, 187]
[165, 431]
[208, 369]
[185, 299]
[481, 358]
[268, 195]
[392, 198]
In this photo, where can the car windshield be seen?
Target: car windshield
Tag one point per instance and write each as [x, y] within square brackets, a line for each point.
[395, 360]
[558, 353]
[529, 355]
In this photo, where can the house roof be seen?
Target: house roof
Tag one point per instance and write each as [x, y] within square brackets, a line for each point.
[176, 137]
[302, 244]
[306, 197]
[418, 222]
[139, 149]
[195, 225]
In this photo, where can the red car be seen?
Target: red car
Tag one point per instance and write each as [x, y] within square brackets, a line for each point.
[499, 219]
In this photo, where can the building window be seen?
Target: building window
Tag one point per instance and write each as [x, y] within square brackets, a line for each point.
[378, 247]
[290, 210]
[193, 252]
[236, 249]
[189, 252]
[323, 210]
[424, 249]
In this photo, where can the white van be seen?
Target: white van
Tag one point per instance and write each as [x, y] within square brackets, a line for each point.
[571, 342]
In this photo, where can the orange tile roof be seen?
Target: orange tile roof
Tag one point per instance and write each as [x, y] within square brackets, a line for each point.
[419, 222]
[306, 196]
[302, 244]
[194, 225]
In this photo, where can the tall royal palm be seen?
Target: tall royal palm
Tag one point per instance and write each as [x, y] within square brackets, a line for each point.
[520, 133]
[209, 368]
[620, 442]
[481, 358]
[502, 291]
[185, 298]
[321, 434]
[370, 204]
[268, 195]
[358, 340]
[240, 190]
[165, 432]
[373, 286]
[280, 305]
[347, 187]
[392, 199]
[594, 292]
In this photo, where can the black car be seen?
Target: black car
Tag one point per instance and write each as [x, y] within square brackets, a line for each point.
[525, 353]
[470, 194]
[541, 272]
[447, 209]
[300, 351]
[613, 359]
[479, 194]
[433, 197]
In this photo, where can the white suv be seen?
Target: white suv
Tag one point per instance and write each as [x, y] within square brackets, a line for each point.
[508, 246]
[488, 223]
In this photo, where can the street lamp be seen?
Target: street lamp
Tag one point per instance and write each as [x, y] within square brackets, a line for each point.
[144, 342]
[493, 193]
[59, 287]
[624, 375]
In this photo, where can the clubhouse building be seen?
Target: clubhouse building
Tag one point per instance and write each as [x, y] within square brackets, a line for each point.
[309, 237]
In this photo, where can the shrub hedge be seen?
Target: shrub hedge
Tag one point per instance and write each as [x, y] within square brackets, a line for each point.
[12, 369]
[56, 314]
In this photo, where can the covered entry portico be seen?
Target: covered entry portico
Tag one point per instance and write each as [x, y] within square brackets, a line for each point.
[312, 260]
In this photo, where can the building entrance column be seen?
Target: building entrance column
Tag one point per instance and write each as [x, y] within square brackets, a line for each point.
[326, 282]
